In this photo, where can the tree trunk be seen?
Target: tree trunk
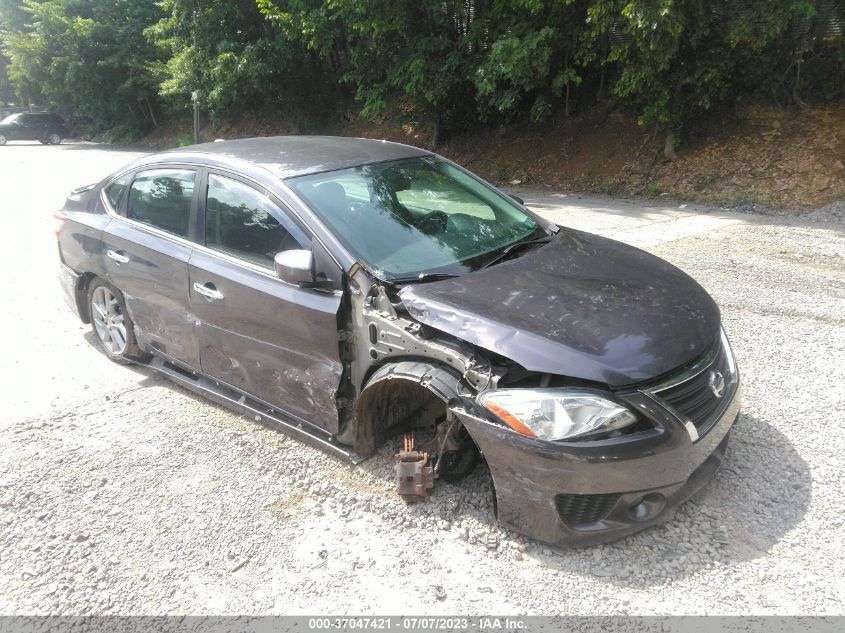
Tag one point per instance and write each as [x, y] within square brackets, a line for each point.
[669, 146]
[152, 115]
[566, 100]
[600, 95]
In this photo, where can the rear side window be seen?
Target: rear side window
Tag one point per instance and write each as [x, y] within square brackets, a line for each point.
[243, 222]
[114, 192]
[162, 198]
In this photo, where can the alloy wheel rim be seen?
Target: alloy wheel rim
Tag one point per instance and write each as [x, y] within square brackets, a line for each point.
[55, 139]
[108, 321]
[2, 139]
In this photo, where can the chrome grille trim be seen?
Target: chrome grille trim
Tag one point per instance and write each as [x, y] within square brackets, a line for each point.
[691, 404]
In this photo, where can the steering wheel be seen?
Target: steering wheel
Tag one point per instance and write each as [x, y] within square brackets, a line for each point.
[433, 222]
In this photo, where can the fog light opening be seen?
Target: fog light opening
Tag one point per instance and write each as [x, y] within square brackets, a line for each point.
[647, 507]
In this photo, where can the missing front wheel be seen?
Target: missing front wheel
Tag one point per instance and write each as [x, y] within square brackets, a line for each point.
[450, 455]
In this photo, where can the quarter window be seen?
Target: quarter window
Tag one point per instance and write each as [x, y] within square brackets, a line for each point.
[114, 192]
[245, 223]
[162, 198]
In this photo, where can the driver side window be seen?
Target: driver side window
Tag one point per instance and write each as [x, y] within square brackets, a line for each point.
[243, 222]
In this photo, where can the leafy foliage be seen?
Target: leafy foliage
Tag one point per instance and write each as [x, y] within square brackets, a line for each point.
[678, 58]
[452, 62]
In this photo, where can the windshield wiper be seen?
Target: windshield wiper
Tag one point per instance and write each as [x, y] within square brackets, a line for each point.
[510, 249]
[422, 277]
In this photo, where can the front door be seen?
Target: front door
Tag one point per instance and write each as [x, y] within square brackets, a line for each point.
[273, 340]
[15, 130]
[146, 256]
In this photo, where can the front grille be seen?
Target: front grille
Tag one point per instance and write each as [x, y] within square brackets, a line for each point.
[698, 395]
[584, 509]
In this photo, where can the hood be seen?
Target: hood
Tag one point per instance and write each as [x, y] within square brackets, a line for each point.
[581, 306]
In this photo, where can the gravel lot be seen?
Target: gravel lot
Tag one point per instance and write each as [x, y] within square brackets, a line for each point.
[122, 493]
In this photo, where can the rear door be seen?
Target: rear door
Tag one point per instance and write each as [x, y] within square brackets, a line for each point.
[146, 251]
[275, 341]
[31, 128]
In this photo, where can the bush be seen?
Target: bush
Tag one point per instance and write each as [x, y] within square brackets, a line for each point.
[456, 63]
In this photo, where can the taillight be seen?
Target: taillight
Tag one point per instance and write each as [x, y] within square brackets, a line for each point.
[59, 219]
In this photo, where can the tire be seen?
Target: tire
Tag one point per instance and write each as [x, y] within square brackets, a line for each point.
[112, 325]
[459, 464]
[3, 139]
[54, 139]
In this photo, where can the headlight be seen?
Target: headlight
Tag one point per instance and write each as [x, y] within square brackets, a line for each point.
[556, 414]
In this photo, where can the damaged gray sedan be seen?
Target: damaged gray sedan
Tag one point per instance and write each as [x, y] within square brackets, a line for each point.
[349, 290]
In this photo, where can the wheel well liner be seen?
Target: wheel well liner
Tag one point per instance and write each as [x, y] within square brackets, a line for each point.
[394, 394]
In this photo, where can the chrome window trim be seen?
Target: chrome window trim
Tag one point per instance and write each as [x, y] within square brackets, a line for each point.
[174, 167]
[110, 210]
[113, 214]
[731, 386]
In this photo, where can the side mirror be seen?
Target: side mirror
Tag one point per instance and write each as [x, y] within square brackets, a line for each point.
[518, 199]
[295, 267]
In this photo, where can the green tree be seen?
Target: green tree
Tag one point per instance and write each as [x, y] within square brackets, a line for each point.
[531, 60]
[231, 55]
[454, 63]
[676, 59]
[87, 58]
[7, 91]
[420, 52]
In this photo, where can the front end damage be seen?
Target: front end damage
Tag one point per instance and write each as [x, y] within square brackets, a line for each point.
[423, 384]
[583, 493]
[401, 378]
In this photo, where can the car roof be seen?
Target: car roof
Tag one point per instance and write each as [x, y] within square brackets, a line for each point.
[289, 156]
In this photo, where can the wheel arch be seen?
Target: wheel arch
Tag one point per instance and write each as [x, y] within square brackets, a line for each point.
[83, 283]
[395, 394]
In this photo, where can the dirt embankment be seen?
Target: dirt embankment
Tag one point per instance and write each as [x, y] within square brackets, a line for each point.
[759, 157]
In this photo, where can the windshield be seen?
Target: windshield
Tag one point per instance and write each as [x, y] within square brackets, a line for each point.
[415, 216]
[9, 119]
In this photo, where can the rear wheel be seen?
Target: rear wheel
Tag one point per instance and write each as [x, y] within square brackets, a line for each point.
[112, 324]
[54, 139]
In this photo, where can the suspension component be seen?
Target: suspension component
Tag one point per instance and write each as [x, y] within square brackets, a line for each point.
[414, 476]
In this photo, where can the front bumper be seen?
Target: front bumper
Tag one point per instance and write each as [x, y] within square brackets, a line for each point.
[575, 494]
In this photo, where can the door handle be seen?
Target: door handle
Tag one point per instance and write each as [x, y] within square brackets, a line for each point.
[117, 256]
[212, 293]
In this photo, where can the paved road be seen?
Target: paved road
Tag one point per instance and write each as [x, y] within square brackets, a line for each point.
[122, 493]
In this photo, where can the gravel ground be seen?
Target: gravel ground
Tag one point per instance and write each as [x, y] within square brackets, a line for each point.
[122, 493]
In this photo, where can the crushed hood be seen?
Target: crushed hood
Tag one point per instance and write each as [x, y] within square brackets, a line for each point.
[582, 306]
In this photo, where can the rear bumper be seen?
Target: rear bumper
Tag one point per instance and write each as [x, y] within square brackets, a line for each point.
[582, 494]
[69, 281]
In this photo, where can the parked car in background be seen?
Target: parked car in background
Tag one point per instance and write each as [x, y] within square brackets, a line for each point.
[50, 129]
[351, 290]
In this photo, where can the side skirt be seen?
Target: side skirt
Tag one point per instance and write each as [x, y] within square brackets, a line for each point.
[259, 411]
